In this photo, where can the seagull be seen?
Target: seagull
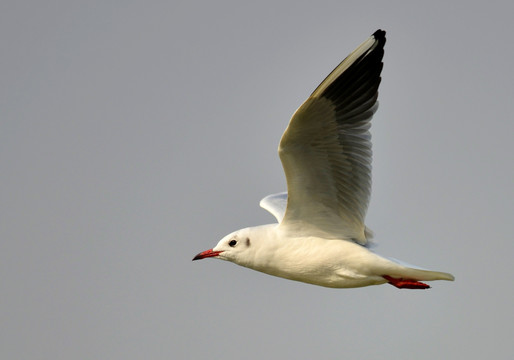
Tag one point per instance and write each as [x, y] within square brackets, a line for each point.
[320, 237]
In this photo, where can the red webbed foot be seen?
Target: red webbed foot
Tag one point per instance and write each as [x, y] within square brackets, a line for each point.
[405, 283]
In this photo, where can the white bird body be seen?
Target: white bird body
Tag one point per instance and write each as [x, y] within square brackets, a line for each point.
[320, 237]
[315, 260]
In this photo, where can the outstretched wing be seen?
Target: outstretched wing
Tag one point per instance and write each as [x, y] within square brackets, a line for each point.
[326, 149]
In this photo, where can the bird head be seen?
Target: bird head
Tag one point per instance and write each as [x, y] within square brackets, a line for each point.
[233, 247]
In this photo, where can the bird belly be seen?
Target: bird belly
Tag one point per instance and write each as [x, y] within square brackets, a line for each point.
[328, 263]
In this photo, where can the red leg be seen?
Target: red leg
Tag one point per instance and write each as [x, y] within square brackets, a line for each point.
[405, 283]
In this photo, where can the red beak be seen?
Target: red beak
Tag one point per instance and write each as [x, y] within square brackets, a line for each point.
[206, 254]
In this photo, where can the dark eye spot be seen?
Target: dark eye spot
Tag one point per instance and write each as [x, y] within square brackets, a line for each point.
[232, 243]
[247, 241]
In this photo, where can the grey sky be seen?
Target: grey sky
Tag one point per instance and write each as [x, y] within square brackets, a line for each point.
[136, 134]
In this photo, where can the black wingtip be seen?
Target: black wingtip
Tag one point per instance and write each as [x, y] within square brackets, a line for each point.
[379, 34]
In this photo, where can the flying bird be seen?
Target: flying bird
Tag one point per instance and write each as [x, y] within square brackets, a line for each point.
[320, 237]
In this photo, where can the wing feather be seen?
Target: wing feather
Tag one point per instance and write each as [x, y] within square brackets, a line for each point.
[326, 149]
[275, 204]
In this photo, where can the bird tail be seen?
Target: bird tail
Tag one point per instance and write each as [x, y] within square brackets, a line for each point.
[408, 271]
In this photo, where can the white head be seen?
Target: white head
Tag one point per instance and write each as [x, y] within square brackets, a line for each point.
[238, 247]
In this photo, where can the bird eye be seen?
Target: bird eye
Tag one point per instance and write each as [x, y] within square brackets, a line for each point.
[232, 243]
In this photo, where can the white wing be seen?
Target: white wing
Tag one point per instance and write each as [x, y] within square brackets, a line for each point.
[275, 204]
[326, 149]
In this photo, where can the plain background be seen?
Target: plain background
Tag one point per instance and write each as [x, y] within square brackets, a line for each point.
[135, 134]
